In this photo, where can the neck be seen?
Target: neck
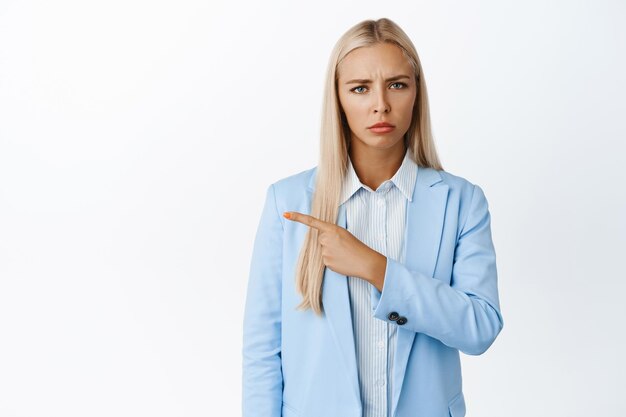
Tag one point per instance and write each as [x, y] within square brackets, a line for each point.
[375, 166]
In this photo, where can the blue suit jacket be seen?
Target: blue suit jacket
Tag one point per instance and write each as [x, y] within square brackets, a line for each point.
[296, 363]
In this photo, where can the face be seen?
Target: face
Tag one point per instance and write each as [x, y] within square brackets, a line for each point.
[377, 84]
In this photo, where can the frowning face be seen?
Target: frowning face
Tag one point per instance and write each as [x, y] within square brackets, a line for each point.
[377, 84]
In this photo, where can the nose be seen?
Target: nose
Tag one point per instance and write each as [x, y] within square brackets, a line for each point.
[381, 104]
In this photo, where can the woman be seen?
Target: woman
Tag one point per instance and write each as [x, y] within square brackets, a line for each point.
[372, 270]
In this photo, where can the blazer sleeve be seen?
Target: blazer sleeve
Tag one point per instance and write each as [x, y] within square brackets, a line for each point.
[465, 314]
[262, 382]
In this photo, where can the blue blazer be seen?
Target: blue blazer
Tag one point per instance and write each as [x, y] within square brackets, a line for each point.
[297, 364]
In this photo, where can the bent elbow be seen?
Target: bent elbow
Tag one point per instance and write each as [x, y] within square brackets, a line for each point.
[479, 345]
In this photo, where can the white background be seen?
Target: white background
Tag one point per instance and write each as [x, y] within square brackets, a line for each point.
[138, 138]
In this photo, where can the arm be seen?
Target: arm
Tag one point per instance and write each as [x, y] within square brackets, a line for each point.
[463, 315]
[262, 372]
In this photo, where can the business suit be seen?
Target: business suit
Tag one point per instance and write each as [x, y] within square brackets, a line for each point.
[296, 363]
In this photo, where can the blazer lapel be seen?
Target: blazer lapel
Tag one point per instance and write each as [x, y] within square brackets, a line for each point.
[422, 237]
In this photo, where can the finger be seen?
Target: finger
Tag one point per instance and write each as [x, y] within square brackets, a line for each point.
[308, 220]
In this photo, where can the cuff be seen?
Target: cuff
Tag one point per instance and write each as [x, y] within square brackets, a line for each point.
[393, 293]
[377, 295]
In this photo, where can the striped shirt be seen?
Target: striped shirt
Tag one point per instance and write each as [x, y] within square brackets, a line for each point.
[376, 218]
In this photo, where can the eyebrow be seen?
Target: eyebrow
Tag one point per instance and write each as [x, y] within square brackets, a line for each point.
[365, 81]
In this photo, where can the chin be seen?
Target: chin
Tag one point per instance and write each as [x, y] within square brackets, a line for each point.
[383, 142]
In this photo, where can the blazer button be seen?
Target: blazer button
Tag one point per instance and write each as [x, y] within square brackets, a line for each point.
[401, 320]
[393, 316]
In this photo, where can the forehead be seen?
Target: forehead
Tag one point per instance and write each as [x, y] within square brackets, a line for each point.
[381, 59]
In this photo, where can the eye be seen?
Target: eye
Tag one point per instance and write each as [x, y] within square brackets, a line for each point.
[353, 89]
[402, 84]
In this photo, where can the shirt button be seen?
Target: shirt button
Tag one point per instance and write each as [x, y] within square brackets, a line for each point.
[380, 202]
[381, 382]
[381, 344]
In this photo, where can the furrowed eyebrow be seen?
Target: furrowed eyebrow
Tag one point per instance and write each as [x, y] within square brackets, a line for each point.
[365, 81]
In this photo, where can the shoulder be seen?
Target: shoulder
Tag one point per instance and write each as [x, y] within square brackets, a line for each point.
[466, 195]
[292, 188]
[456, 182]
[462, 191]
[295, 182]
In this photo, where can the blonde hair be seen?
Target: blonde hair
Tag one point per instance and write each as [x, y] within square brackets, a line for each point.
[335, 141]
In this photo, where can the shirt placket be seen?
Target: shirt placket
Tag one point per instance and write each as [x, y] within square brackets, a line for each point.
[382, 327]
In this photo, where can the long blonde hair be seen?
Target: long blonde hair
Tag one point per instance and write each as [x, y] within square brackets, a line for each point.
[335, 141]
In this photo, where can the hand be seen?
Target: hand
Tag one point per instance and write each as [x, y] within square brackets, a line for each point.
[344, 253]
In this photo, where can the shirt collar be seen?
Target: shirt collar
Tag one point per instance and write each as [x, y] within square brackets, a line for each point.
[404, 179]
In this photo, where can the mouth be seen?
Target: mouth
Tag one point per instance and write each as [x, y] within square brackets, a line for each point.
[382, 129]
[381, 124]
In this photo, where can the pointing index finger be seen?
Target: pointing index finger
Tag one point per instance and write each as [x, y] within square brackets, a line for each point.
[306, 219]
